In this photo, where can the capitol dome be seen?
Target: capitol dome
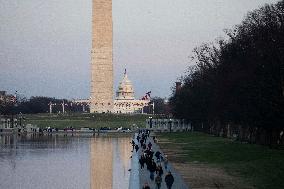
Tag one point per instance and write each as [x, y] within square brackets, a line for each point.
[125, 90]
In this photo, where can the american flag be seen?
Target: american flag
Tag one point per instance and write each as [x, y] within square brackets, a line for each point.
[147, 96]
[13, 99]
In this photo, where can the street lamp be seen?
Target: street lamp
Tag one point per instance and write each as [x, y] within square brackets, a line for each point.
[150, 122]
[170, 122]
[14, 106]
[153, 104]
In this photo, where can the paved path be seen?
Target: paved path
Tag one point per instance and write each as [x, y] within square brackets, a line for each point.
[134, 181]
[144, 174]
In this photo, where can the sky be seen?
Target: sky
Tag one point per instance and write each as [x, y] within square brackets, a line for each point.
[45, 46]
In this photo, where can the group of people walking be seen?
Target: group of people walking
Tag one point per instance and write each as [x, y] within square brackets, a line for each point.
[153, 161]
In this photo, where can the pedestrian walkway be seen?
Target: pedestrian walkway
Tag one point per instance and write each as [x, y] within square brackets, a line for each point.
[144, 174]
[134, 181]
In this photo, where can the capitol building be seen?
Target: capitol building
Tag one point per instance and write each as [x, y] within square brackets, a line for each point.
[125, 101]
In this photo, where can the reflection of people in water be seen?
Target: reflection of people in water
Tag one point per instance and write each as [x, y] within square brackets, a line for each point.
[133, 144]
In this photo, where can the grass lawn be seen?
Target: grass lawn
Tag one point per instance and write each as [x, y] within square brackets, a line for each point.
[85, 120]
[257, 165]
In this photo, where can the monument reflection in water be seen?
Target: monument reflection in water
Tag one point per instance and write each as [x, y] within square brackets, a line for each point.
[58, 161]
[110, 162]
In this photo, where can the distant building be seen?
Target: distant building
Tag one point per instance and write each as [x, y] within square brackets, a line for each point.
[8, 123]
[125, 101]
[6, 98]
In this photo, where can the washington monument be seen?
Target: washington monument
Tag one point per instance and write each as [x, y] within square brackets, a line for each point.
[101, 58]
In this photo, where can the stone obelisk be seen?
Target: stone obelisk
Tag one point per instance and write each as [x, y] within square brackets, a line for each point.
[101, 67]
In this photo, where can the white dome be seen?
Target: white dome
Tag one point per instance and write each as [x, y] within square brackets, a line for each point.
[125, 90]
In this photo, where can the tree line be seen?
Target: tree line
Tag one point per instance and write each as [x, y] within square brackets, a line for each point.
[39, 104]
[237, 83]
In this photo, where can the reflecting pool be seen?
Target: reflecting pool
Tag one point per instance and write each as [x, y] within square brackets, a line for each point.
[64, 161]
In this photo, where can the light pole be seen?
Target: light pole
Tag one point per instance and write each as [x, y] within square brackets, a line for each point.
[50, 107]
[20, 117]
[170, 122]
[150, 122]
[153, 107]
[14, 105]
[83, 107]
[63, 107]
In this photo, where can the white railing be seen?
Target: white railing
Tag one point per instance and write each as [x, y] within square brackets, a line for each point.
[168, 125]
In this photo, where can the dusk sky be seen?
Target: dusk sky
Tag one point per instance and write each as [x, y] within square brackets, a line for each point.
[45, 45]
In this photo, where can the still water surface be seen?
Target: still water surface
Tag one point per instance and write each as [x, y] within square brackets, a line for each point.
[58, 161]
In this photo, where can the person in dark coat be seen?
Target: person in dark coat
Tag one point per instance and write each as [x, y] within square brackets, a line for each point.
[158, 155]
[166, 161]
[158, 181]
[151, 153]
[152, 169]
[148, 161]
[149, 145]
[159, 170]
[136, 147]
[142, 161]
[146, 186]
[169, 179]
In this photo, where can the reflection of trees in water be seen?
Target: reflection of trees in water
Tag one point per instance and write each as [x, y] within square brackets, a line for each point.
[108, 154]
[44, 140]
[8, 146]
[13, 145]
[24, 163]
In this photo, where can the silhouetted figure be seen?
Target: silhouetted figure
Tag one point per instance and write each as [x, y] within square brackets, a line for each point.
[138, 138]
[152, 168]
[169, 179]
[146, 186]
[158, 181]
[142, 161]
[136, 147]
[158, 154]
[166, 161]
[159, 170]
[149, 145]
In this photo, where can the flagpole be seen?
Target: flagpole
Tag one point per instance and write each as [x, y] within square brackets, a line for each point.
[50, 108]
[83, 107]
[63, 108]
[153, 107]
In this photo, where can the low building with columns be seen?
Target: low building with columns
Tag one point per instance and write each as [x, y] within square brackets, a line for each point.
[168, 125]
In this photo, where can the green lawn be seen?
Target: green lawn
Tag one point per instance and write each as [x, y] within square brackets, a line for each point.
[258, 165]
[86, 120]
